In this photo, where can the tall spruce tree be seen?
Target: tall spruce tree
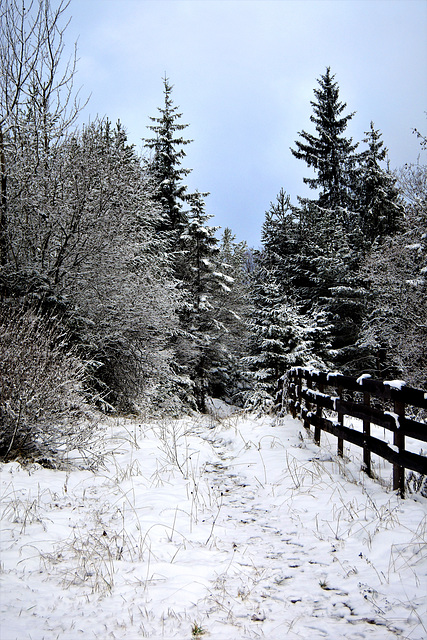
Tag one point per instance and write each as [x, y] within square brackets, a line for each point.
[268, 357]
[284, 333]
[380, 203]
[204, 280]
[282, 337]
[328, 152]
[393, 340]
[165, 166]
[331, 243]
[235, 310]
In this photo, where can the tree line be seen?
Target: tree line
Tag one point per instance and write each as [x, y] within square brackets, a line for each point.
[117, 292]
[340, 281]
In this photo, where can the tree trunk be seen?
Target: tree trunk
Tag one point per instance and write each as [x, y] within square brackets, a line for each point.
[3, 204]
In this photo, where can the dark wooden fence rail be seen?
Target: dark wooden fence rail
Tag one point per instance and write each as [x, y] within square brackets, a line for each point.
[308, 393]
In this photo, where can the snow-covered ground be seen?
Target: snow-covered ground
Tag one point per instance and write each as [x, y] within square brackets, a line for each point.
[230, 529]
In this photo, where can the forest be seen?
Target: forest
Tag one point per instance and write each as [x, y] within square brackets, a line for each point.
[118, 295]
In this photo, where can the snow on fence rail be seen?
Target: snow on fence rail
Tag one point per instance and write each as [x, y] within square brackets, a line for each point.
[309, 394]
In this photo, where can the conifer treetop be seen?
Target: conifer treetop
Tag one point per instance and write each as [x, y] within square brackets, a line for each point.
[328, 152]
[168, 153]
[381, 204]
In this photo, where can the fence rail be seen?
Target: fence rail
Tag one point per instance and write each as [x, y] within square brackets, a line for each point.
[310, 394]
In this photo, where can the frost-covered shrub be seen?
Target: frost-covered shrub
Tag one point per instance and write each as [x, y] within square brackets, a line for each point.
[259, 401]
[417, 483]
[42, 409]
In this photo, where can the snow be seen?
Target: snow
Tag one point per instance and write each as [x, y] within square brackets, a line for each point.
[315, 395]
[218, 274]
[395, 417]
[335, 400]
[395, 384]
[332, 374]
[362, 378]
[237, 524]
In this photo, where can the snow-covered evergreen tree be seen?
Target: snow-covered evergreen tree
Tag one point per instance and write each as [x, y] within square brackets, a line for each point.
[281, 239]
[331, 243]
[282, 337]
[380, 203]
[166, 163]
[235, 311]
[328, 152]
[394, 335]
[284, 333]
[204, 281]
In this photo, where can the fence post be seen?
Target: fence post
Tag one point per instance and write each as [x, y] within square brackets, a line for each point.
[367, 432]
[399, 442]
[307, 404]
[299, 391]
[340, 444]
[292, 395]
[319, 415]
[279, 397]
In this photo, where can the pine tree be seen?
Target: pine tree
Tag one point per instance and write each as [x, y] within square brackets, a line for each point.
[268, 359]
[204, 280]
[282, 337]
[165, 165]
[280, 237]
[235, 309]
[394, 334]
[331, 243]
[329, 152]
[380, 204]
[284, 333]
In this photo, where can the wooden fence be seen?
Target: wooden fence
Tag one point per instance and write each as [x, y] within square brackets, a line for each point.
[322, 400]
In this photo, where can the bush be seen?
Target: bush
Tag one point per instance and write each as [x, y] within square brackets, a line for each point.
[42, 408]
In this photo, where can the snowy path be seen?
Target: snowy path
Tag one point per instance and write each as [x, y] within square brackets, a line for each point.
[295, 566]
[242, 529]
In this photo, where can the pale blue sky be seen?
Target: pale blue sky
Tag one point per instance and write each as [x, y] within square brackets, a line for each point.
[243, 73]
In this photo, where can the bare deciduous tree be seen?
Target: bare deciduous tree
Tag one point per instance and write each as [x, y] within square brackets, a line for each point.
[33, 77]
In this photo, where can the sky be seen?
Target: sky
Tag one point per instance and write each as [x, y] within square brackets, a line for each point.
[243, 73]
